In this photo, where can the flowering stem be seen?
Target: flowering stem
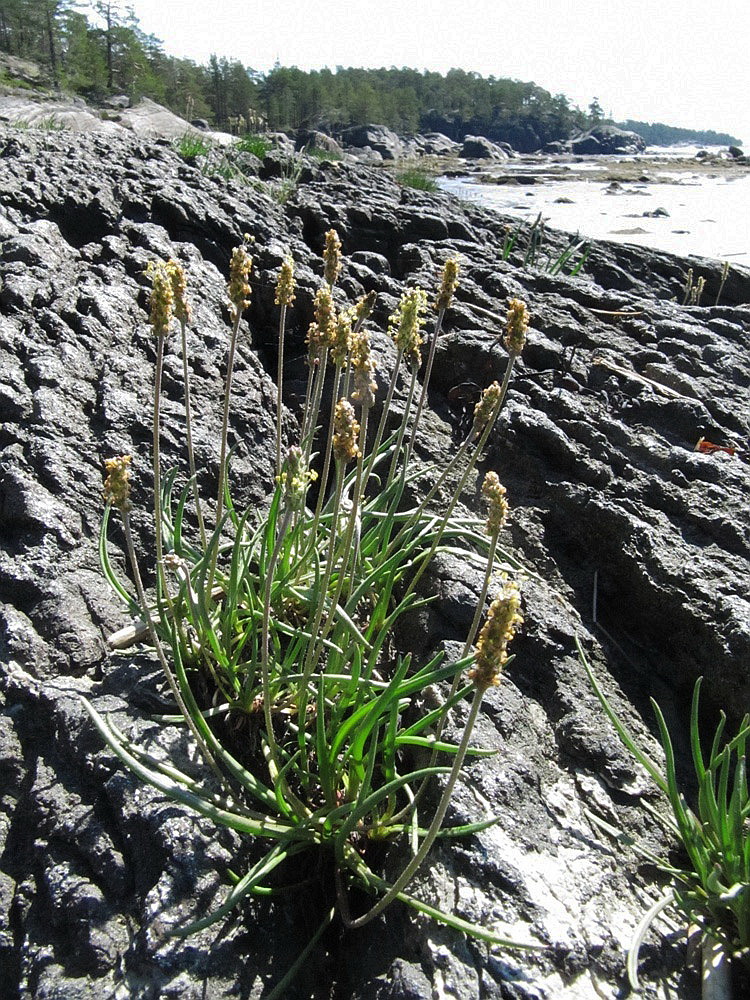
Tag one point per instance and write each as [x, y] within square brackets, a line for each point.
[189, 435]
[383, 419]
[456, 494]
[480, 603]
[225, 416]
[425, 384]
[353, 516]
[279, 381]
[454, 462]
[161, 582]
[224, 432]
[328, 450]
[311, 416]
[314, 648]
[402, 432]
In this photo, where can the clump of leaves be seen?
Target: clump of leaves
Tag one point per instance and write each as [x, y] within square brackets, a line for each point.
[323, 155]
[571, 260]
[191, 145]
[258, 145]
[414, 177]
[281, 623]
[712, 887]
[283, 187]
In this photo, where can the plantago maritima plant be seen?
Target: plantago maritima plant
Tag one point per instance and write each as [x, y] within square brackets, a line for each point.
[287, 616]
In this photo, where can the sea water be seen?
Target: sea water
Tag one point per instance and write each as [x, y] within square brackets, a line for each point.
[702, 215]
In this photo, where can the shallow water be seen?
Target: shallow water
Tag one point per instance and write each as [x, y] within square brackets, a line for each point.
[708, 216]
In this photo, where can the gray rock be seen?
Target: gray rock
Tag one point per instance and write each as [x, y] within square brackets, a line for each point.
[27, 72]
[476, 147]
[318, 140]
[365, 155]
[119, 101]
[602, 479]
[282, 142]
[607, 139]
[377, 137]
[437, 144]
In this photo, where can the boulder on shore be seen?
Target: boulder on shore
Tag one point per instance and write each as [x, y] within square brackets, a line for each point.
[378, 137]
[607, 140]
[477, 147]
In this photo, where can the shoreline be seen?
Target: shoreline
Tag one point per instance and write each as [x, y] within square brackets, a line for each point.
[684, 205]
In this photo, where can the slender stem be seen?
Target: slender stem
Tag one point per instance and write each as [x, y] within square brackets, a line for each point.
[465, 652]
[225, 416]
[265, 677]
[161, 582]
[279, 382]
[426, 383]
[383, 420]
[224, 432]
[273, 747]
[311, 417]
[314, 648]
[156, 642]
[401, 432]
[328, 450]
[480, 443]
[346, 548]
[353, 517]
[312, 368]
[480, 603]
[434, 827]
[472, 435]
[451, 506]
[189, 435]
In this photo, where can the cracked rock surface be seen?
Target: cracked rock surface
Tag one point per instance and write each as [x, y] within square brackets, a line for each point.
[617, 384]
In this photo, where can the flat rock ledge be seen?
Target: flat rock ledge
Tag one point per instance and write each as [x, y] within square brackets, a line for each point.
[596, 447]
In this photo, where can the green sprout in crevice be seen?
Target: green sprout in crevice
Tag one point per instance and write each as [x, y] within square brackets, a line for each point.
[710, 884]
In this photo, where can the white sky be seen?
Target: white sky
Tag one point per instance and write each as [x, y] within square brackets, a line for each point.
[682, 62]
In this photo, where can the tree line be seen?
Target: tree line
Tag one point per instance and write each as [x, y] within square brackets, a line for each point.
[657, 134]
[98, 49]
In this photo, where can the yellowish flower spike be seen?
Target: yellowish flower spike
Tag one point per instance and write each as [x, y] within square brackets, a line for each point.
[238, 289]
[448, 284]
[314, 343]
[345, 432]
[364, 306]
[364, 370]
[296, 478]
[117, 484]
[179, 290]
[325, 316]
[332, 257]
[485, 407]
[494, 493]
[503, 619]
[516, 325]
[405, 324]
[285, 284]
[162, 298]
[342, 339]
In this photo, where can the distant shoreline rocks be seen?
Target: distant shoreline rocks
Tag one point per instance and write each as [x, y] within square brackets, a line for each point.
[370, 144]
